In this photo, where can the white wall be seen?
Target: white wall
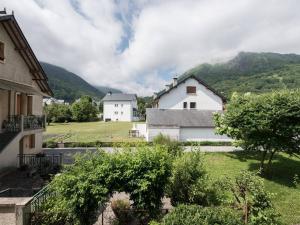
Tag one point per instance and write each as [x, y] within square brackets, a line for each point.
[201, 134]
[124, 110]
[204, 98]
[172, 132]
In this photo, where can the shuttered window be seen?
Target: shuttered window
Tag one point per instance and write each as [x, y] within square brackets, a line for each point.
[191, 89]
[1, 51]
[185, 105]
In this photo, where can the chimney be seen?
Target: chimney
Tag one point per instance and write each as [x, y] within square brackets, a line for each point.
[154, 95]
[109, 93]
[175, 81]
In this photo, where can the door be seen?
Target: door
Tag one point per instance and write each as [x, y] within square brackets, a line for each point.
[29, 105]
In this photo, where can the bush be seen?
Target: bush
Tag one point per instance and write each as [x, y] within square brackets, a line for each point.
[174, 147]
[196, 215]
[189, 183]
[249, 195]
[50, 144]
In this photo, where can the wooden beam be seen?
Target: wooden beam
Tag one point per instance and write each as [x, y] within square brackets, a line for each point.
[38, 79]
[21, 49]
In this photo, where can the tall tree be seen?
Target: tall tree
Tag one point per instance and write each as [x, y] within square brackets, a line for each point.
[84, 109]
[268, 122]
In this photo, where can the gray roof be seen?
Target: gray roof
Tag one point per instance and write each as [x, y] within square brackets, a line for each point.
[179, 118]
[119, 97]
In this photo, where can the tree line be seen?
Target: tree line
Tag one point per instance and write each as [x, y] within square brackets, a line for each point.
[82, 110]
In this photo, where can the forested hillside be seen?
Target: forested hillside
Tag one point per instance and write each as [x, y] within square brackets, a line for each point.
[67, 85]
[251, 72]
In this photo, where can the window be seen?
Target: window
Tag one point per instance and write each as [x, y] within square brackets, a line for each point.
[32, 141]
[116, 113]
[116, 105]
[121, 113]
[192, 105]
[185, 105]
[191, 89]
[1, 51]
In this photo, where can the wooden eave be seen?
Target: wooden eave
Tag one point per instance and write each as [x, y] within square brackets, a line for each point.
[22, 46]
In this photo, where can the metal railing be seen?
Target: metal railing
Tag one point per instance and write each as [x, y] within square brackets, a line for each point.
[41, 163]
[19, 123]
[39, 198]
[12, 124]
[34, 122]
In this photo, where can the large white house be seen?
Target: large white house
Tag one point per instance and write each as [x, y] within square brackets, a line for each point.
[120, 107]
[184, 111]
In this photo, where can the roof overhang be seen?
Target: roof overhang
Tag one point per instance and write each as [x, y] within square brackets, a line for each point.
[22, 46]
[18, 87]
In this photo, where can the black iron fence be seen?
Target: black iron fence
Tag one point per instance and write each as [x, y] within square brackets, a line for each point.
[42, 164]
[34, 122]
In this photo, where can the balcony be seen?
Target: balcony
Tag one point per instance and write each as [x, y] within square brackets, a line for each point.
[20, 123]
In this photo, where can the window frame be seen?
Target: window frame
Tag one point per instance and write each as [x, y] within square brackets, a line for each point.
[191, 90]
[195, 104]
[185, 105]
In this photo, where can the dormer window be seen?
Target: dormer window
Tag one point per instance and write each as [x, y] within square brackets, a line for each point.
[191, 89]
[1, 51]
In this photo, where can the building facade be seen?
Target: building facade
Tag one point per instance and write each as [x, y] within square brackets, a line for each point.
[184, 111]
[23, 84]
[120, 107]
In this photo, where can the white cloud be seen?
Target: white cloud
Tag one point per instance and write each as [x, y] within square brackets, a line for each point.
[169, 35]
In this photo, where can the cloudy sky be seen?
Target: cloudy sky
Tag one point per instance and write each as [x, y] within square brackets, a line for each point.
[139, 45]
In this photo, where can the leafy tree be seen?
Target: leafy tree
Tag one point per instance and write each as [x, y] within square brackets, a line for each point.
[143, 103]
[84, 109]
[189, 183]
[197, 215]
[58, 113]
[269, 122]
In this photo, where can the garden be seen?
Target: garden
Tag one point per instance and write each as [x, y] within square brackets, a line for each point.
[258, 186]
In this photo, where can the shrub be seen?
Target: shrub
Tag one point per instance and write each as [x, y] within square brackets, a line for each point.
[174, 147]
[249, 195]
[189, 183]
[197, 215]
[121, 209]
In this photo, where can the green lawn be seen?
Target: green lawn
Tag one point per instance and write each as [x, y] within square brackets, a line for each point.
[287, 199]
[89, 131]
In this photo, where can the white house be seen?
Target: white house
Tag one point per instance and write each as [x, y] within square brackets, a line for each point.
[184, 111]
[120, 107]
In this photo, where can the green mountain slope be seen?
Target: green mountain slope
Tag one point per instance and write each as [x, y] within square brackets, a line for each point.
[108, 89]
[67, 85]
[251, 72]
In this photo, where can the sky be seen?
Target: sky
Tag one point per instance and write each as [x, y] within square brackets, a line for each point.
[138, 46]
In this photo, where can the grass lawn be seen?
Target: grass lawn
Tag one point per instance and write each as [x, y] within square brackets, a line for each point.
[280, 180]
[89, 131]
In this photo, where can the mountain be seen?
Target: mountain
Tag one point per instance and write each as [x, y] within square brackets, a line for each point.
[67, 85]
[251, 72]
[108, 89]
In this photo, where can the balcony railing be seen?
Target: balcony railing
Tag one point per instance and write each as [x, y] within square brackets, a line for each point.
[34, 122]
[19, 123]
[12, 124]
